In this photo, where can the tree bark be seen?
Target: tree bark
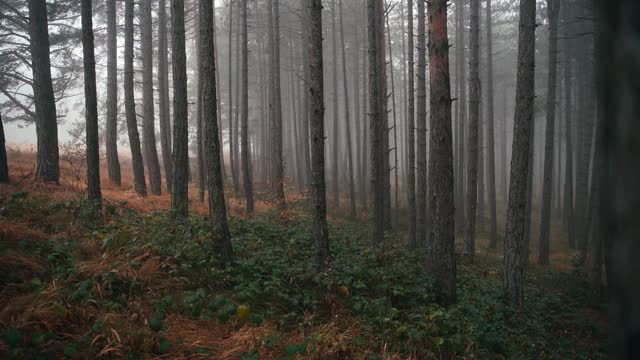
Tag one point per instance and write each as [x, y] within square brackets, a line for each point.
[180, 157]
[199, 99]
[139, 183]
[491, 150]
[48, 168]
[334, 110]
[111, 133]
[148, 127]
[421, 125]
[230, 112]
[462, 113]
[221, 240]
[91, 106]
[441, 208]
[347, 119]
[514, 244]
[411, 170]
[316, 93]
[163, 90]
[472, 139]
[568, 181]
[378, 125]
[4, 165]
[276, 105]
[395, 125]
[246, 150]
[553, 8]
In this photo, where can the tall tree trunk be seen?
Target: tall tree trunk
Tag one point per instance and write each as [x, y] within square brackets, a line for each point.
[384, 100]
[232, 160]
[4, 167]
[365, 113]
[218, 95]
[553, 8]
[246, 151]
[462, 113]
[148, 128]
[91, 106]
[316, 93]
[619, 99]
[411, 170]
[139, 182]
[179, 196]
[236, 123]
[276, 105]
[48, 168]
[199, 122]
[491, 149]
[514, 246]
[335, 126]
[568, 180]
[421, 125]
[163, 92]
[221, 240]
[472, 140]
[378, 125]
[306, 156]
[111, 134]
[356, 109]
[395, 123]
[352, 195]
[441, 207]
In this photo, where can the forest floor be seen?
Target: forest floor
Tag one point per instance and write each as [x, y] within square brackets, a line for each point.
[129, 283]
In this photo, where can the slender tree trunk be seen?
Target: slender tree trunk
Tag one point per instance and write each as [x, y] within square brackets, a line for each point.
[395, 123]
[139, 182]
[356, 109]
[163, 90]
[421, 125]
[305, 100]
[220, 237]
[148, 128]
[179, 196]
[462, 113]
[232, 160]
[365, 113]
[411, 170]
[529, 195]
[246, 151]
[276, 105]
[111, 134]
[91, 106]
[378, 125]
[514, 262]
[472, 140]
[199, 115]
[553, 8]
[352, 195]
[218, 95]
[335, 126]
[491, 148]
[442, 232]
[4, 167]
[382, 73]
[316, 91]
[568, 181]
[236, 123]
[46, 121]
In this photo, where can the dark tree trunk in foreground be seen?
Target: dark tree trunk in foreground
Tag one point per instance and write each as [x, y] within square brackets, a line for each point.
[421, 127]
[461, 76]
[148, 128]
[180, 158]
[411, 170]
[199, 129]
[491, 149]
[553, 8]
[441, 207]
[4, 167]
[46, 122]
[244, 121]
[139, 183]
[316, 93]
[347, 120]
[221, 239]
[163, 90]
[514, 251]
[620, 100]
[91, 106]
[472, 139]
[111, 136]
[277, 167]
[378, 124]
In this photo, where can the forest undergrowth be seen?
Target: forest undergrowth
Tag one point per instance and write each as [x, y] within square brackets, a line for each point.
[132, 284]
